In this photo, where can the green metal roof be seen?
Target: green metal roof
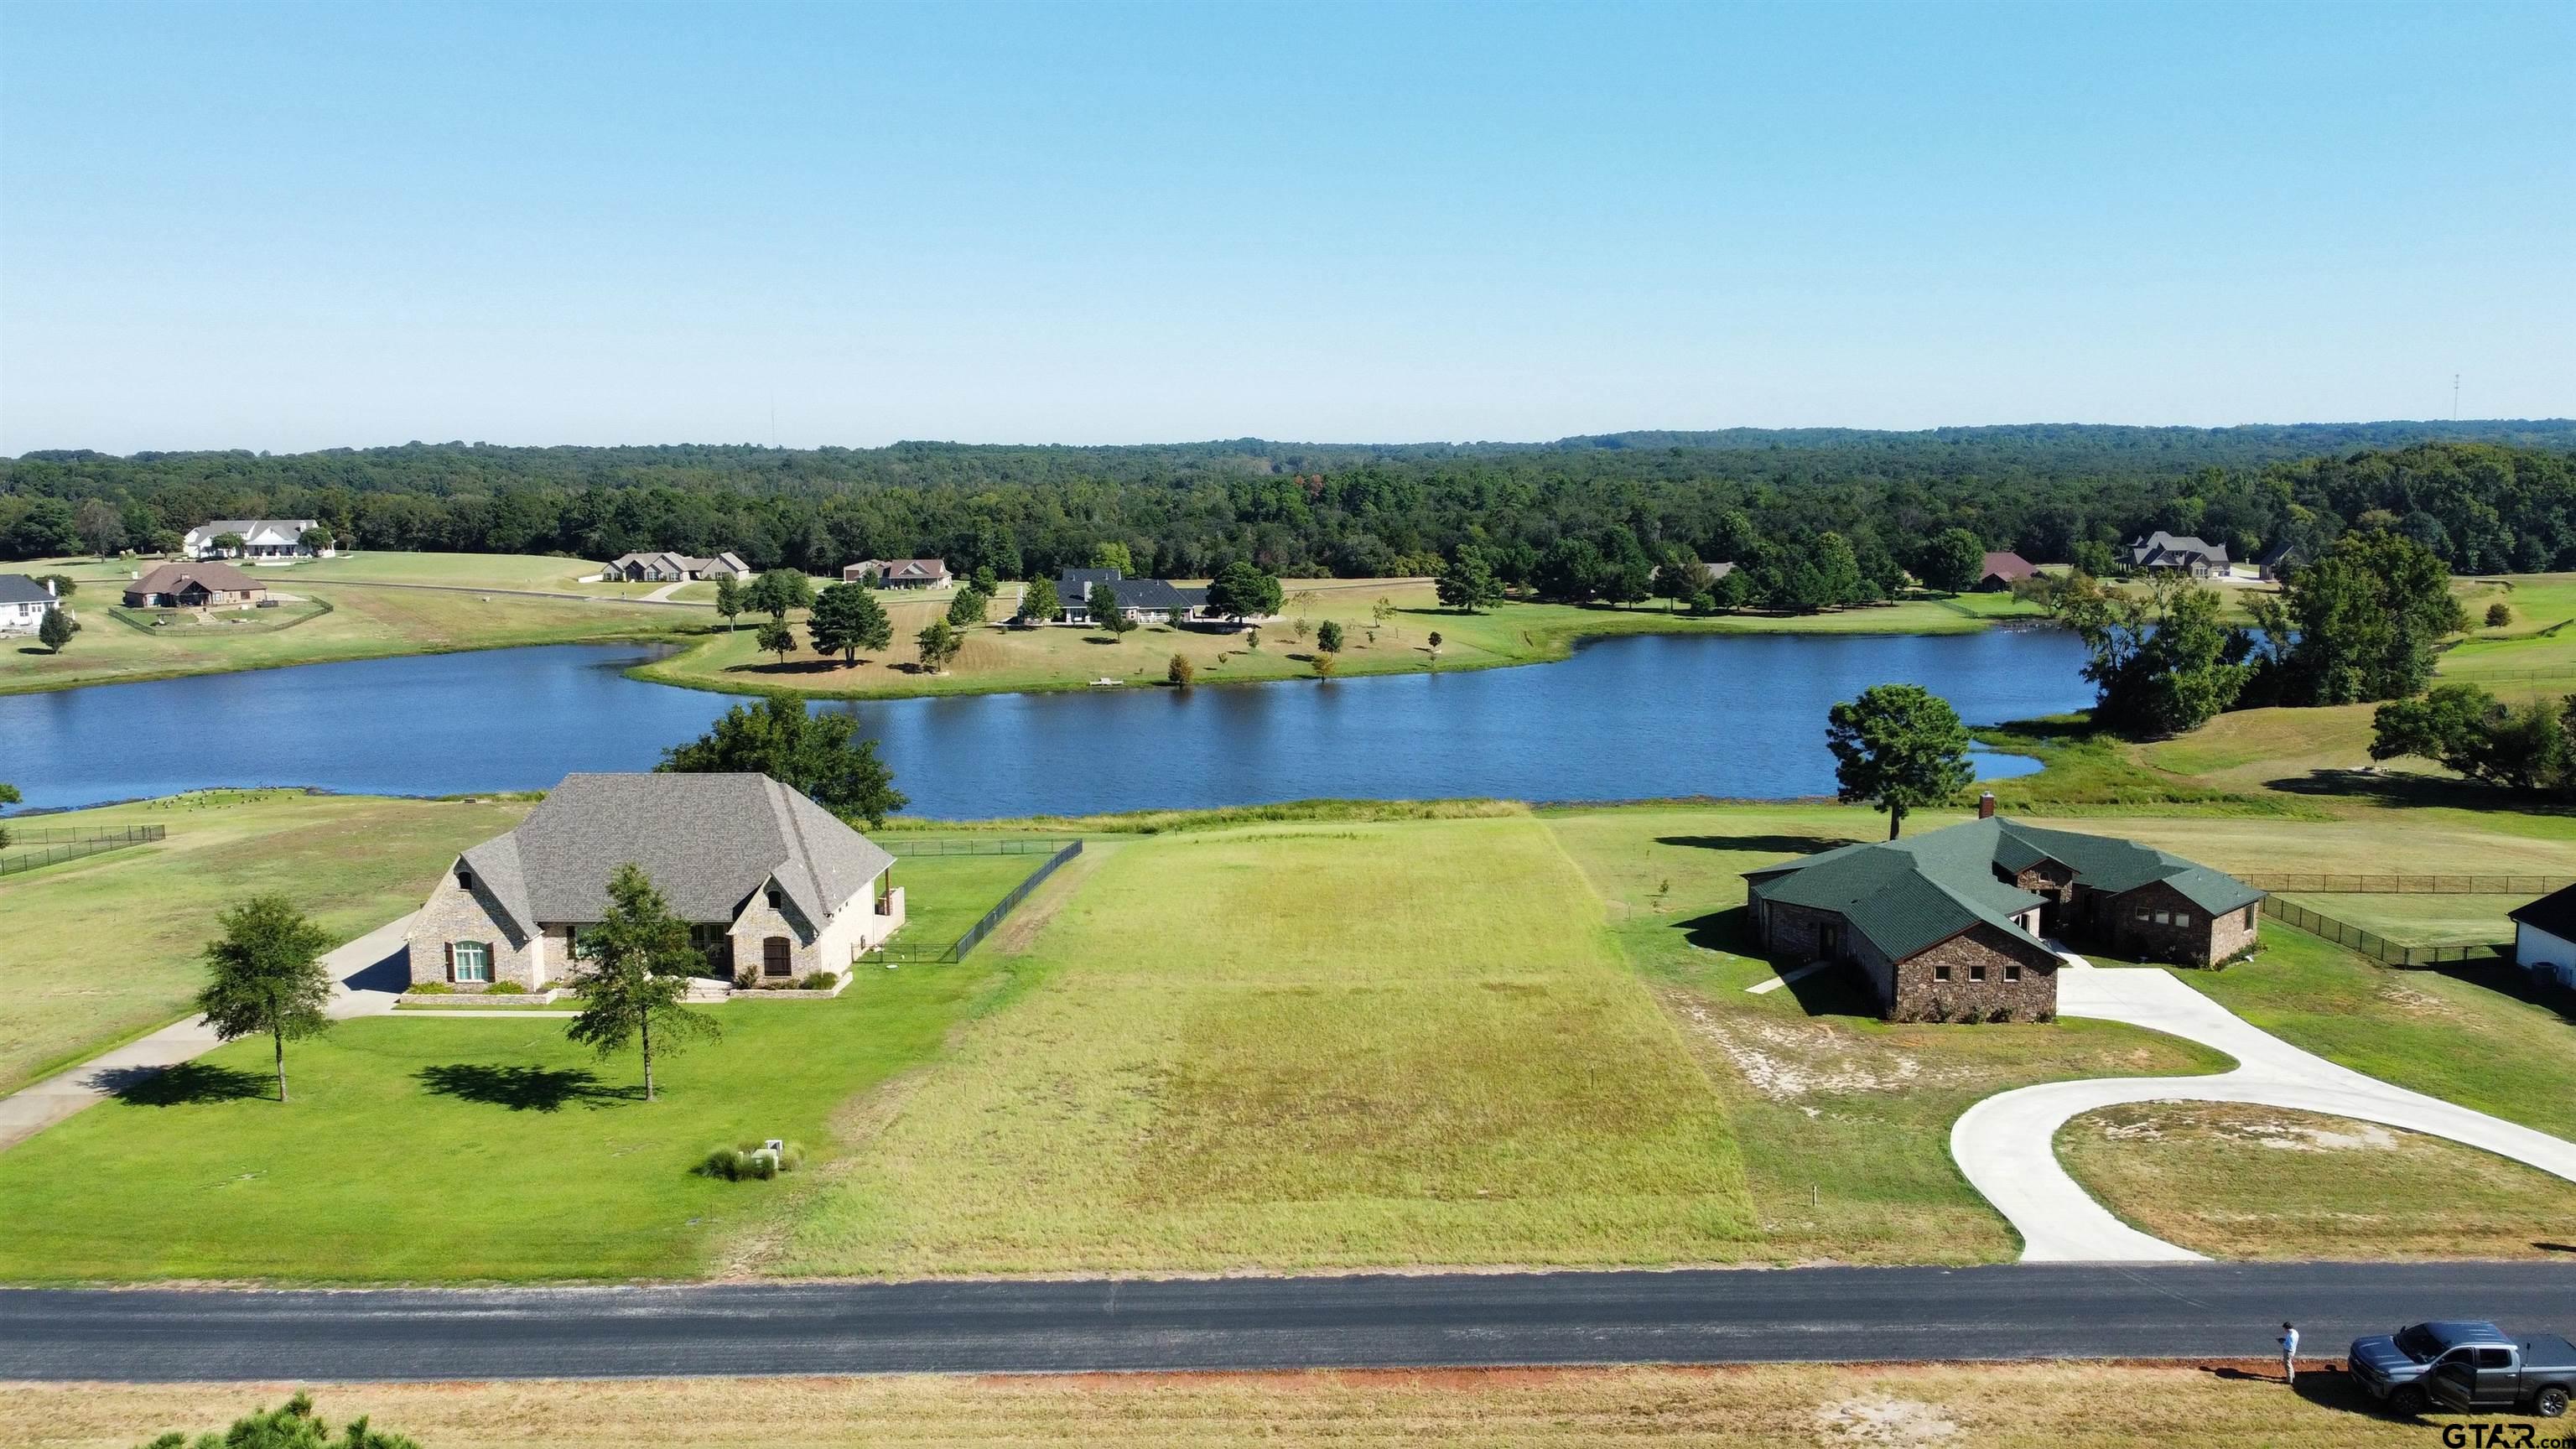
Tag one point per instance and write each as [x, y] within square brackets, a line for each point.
[1906, 895]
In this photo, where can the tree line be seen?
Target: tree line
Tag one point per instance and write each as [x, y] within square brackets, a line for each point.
[1811, 518]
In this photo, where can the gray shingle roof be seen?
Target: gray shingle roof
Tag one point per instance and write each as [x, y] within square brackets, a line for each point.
[1905, 895]
[20, 589]
[2163, 547]
[1074, 590]
[706, 841]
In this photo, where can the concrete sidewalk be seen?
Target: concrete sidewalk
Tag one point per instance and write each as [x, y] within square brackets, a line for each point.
[360, 968]
[2006, 1144]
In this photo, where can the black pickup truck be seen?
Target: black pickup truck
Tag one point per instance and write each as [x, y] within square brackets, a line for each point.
[2534, 1374]
[2393, 1367]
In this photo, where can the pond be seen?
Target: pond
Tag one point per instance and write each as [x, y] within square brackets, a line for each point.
[1626, 718]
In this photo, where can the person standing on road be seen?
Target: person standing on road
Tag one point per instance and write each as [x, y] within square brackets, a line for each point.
[2289, 1354]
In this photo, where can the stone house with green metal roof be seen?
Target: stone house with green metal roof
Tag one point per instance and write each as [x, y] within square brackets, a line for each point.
[1955, 924]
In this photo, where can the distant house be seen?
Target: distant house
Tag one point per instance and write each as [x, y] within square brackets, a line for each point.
[2544, 937]
[1143, 600]
[206, 585]
[1709, 573]
[24, 602]
[2001, 571]
[2176, 551]
[771, 884]
[261, 538]
[898, 573]
[1951, 924]
[674, 568]
[2280, 561]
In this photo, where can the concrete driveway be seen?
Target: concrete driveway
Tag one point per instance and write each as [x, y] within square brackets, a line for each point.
[2006, 1144]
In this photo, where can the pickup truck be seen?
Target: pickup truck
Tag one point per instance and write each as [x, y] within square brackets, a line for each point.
[2392, 1367]
[2537, 1374]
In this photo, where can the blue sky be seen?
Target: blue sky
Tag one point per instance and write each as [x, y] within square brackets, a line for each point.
[313, 226]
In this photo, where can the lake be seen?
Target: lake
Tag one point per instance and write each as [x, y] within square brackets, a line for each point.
[1625, 718]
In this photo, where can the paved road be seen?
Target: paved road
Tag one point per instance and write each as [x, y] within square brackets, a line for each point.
[2022, 1311]
[2006, 1143]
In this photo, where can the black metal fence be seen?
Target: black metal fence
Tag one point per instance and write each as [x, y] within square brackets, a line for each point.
[956, 950]
[2372, 944]
[2412, 885]
[971, 845]
[29, 848]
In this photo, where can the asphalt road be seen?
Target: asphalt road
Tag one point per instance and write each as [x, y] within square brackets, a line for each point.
[2181, 1310]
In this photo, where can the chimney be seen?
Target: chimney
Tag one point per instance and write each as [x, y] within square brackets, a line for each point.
[49, 585]
[1986, 806]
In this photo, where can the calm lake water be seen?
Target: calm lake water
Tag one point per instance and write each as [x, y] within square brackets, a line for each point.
[1623, 719]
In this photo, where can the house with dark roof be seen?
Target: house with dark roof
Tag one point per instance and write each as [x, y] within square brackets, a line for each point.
[897, 573]
[1143, 600]
[1955, 924]
[2001, 571]
[2175, 551]
[674, 568]
[24, 603]
[2544, 937]
[773, 886]
[206, 585]
[2280, 561]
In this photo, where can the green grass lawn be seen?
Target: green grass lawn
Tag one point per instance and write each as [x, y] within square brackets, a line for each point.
[361, 623]
[2261, 1182]
[1304, 1046]
[2535, 653]
[437, 1149]
[103, 948]
[2419, 920]
[2464, 1034]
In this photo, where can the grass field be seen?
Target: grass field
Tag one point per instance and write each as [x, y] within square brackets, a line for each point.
[2425, 920]
[2465, 1034]
[103, 948]
[359, 623]
[2259, 1182]
[2008, 1406]
[1305, 1047]
[425, 1148]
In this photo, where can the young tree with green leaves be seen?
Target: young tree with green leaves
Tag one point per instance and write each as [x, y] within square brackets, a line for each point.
[818, 755]
[292, 1425]
[230, 543]
[1381, 610]
[267, 977]
[776, 638]
[846, 619]
[317, 538]
[1435, 643]
[1898, 748]
[1180, 671]
[633, 972]
[938, 644]
[969, 608]
[1111, 554]
[1468, 583]
[1324, 662]
[1105, 613]
[1679, 577]
[1950, 560]
[1328, 636]
[779, 590]
[1243, 591]
[985, 581]
[728, 600]
[8, 796]
[1038, 603]
[56, 630]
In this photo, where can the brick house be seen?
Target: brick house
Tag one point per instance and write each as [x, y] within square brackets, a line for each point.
[195, 586]
[2175, 553]
[771, 884]
[1954, 924]
[897, 573]
[673, 568]
[2000, 571]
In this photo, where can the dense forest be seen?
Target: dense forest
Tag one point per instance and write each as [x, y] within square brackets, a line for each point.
[2484, 496]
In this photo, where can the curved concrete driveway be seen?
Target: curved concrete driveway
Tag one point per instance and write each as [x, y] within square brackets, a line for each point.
[2006, 1144]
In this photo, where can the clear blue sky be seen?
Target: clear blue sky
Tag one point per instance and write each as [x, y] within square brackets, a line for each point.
[312, 226]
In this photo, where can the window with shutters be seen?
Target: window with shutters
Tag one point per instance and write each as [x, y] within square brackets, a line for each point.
[473, 961]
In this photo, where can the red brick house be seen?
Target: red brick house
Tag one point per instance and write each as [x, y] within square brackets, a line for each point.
[204, 585]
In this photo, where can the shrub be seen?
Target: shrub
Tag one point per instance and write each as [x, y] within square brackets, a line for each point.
[2499, 614]
[745, 1162]
[1181, 671]
[505, 988]
[745, 979]
[429, 988]
[820, 980]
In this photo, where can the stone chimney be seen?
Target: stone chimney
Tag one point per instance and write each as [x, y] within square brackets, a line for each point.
[1986, 806]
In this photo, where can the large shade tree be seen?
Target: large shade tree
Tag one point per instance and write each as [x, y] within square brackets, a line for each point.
[1897, 748]
[818, 754]
[267, 977]
[846, 619]
[633, 969]
[1243, 591]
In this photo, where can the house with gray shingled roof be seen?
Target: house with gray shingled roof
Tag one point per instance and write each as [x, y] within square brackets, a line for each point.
[773, 886]
[1143, 600]
[1955, 924]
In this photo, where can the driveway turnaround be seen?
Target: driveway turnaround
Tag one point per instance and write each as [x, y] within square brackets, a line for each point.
[364, 989]
[1425, 1320]
[2006, 1144]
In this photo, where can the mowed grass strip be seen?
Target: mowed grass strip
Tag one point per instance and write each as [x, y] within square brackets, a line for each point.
[2417, 920]
[2012, 1406]
[1843, 1119]
[2259, 1182]
[432, 1149]
[103, 948]
[1305, 1047]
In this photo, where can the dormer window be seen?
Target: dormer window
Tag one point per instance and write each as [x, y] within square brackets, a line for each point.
[777, 898]
[464, 879]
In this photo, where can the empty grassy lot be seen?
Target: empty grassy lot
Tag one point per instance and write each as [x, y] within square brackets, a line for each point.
[104, 948]
[1304, 1047]
[421, 1148]
[2259, 1182]
[2010, 1406]
[362, 623]
[2425, 920]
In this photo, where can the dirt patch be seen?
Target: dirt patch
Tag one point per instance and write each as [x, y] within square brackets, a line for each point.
[1785, 1062]
[2255, 1125]
[1884, 1419]
[1023, 925]
[2414, 1002]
